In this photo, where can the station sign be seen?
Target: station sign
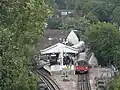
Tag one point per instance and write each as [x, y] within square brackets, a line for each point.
[64, 13]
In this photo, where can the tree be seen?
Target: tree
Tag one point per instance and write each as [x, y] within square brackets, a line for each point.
[116, 15]
[115, 84]
[21, 24]
[104, 40]
[116, 2]
[54, 23]
[70, 4]
[81, 24]
[102, 9]
[61, 4]
[93, 18]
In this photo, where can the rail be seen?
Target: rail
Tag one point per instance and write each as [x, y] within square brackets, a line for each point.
[83, 82]
[48, 81]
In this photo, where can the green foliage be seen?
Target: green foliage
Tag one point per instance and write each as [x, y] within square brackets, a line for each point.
[21, 24]
[93, 18]
[116, 15]
[80, 24]
[115, 84]
[69, 4]
[69, 23]
[101, 9]
[94, 9]
[60, 3]
[116, 2]
[54, 23]
[104, 40]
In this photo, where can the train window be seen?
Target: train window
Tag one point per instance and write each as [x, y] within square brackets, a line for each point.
[83, 63]
[82, 56]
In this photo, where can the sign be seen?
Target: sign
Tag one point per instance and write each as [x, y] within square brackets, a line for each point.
[64, 13]
[69, 12]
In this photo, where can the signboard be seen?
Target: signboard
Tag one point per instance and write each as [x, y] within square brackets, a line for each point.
[69, 12]
[64, 13]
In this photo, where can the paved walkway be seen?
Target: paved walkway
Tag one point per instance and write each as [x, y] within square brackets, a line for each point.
[66, 85]
[57, 76]
[56, 68]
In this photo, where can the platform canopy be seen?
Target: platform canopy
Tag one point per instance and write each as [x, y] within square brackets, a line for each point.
[58, 48]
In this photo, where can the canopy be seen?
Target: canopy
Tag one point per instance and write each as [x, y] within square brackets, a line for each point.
[59, 47]
[79, 45]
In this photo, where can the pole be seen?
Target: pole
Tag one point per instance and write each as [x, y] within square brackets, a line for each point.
[98, 72]
[61, 57]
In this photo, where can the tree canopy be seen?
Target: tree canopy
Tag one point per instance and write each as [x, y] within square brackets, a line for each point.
[115, 84]
[104, 40]
[21, 24]
[94, 10]
[116, 15]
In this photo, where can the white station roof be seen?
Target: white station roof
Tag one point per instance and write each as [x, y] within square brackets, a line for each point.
[80, 44]
[59, 47]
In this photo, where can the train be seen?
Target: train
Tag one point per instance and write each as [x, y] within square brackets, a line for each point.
[81, 67]
[81, 64]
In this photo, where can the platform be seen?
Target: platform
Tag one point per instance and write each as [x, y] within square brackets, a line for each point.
[66, 85]
[58, 69]
[47, 67]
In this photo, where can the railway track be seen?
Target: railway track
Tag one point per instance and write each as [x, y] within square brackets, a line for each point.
[48, 81]
[83, 82]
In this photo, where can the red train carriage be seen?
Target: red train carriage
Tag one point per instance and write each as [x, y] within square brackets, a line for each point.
[81, 67]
